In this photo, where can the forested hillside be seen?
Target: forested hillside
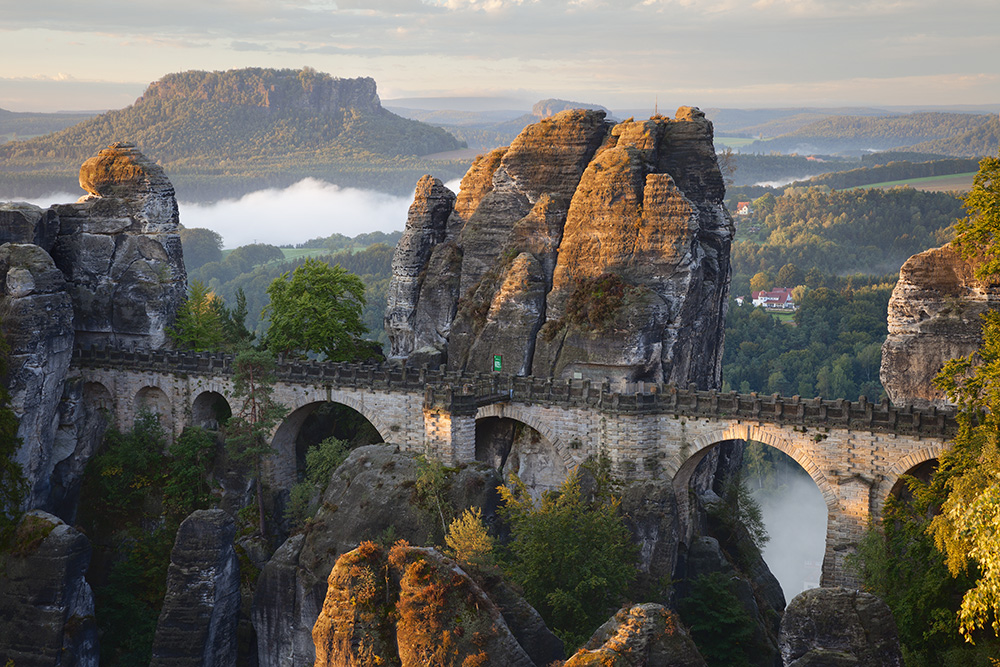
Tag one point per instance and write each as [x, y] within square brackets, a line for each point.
[866, 133]
[841, 233]
[981, 140]
[221, 134]
[14, 125]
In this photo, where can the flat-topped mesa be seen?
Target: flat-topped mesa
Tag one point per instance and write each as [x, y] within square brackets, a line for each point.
[120, 251]
[934, 315]
[584, 249]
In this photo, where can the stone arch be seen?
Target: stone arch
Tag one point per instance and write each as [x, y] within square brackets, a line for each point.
[210, 409]
[933, 450]
[537, 457]
[682, 467]
[285, 441]
[153, 399]
[98, 397]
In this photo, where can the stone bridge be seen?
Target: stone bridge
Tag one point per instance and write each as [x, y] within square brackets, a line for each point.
[854, 452]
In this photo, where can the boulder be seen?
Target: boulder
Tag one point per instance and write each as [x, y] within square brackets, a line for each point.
[934, 315]
[412, 607]
[120, 251]
[370, 496]
[838, 626]
[644, 635]
[198, 621]
[46, 605]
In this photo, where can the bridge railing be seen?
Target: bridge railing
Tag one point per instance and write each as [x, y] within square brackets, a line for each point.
[467, 391]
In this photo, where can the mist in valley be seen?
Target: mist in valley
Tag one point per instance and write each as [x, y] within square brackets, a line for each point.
[795, 516]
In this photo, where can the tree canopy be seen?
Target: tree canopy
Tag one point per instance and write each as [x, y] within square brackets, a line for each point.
[316, 310]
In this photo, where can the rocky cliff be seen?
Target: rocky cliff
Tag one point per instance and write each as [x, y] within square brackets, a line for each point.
[934, 315]
[584, 249]
[105, 270]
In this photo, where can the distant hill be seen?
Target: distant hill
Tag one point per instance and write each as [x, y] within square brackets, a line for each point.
[18, 125]
[846, 134]
[485, 130]
[220, 134]
[978, 142]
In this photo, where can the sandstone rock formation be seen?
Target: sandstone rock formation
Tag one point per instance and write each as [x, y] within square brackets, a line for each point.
[197, 624]
[38, 324]
[934, 316]
[120, 251]
[412, 607]
[46, 606]
[837, 626]
[106, 270]
[371, 494]
[584, 249]
[644, 635]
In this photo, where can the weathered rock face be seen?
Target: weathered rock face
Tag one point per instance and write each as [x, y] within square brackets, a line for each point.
[120, 251]
[536, 229]
[645, 635]
[38, 325]
[197, 624]
[46, 606]
[371, 493]
[934, 316]
[413, 607]
[27, 223]
[837, 626]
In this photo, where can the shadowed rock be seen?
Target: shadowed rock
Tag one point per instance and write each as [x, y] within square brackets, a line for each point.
[197, 624]
[645, 635]
[837, 626]
[46, 606]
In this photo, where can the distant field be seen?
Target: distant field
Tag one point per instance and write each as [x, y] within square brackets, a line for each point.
[733, 142]
[298, 253]
[783, 316]
[952, 183]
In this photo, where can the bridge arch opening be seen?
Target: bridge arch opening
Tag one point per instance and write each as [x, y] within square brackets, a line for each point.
[513, 446]
[312, 423]
[210, 410]
[98, 397]
[154, 400]
[794, 508]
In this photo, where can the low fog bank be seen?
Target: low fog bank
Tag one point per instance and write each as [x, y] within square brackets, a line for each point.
[307, 210]
[795, 516]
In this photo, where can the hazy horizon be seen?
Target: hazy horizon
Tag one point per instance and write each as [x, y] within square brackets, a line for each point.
[618, 53]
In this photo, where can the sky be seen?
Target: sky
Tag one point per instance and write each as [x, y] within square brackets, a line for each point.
[99, 55]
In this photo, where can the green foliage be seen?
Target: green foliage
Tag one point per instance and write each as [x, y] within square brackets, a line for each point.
[200, 246]
[979, 233]
[720, 626]
[573, 557]
[469, 542]
[13, 485]
[249, 430]
[317, 310]
[321, 460]
[432, 490]
[839, 233]
[199, 324]
[833, 350]
[127, 606]
[186, 487]
[127, 472]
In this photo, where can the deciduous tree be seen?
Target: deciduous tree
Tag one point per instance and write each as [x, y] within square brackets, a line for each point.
[316, 309]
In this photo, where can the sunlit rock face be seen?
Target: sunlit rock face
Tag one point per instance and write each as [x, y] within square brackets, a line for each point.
[934, 315]
[584, 249]
[120, 251]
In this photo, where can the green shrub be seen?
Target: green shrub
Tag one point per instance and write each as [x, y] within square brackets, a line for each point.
[720, 626]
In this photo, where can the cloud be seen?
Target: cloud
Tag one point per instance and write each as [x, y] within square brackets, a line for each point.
[309, 209]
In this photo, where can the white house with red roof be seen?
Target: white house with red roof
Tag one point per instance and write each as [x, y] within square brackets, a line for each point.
[779, 297]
